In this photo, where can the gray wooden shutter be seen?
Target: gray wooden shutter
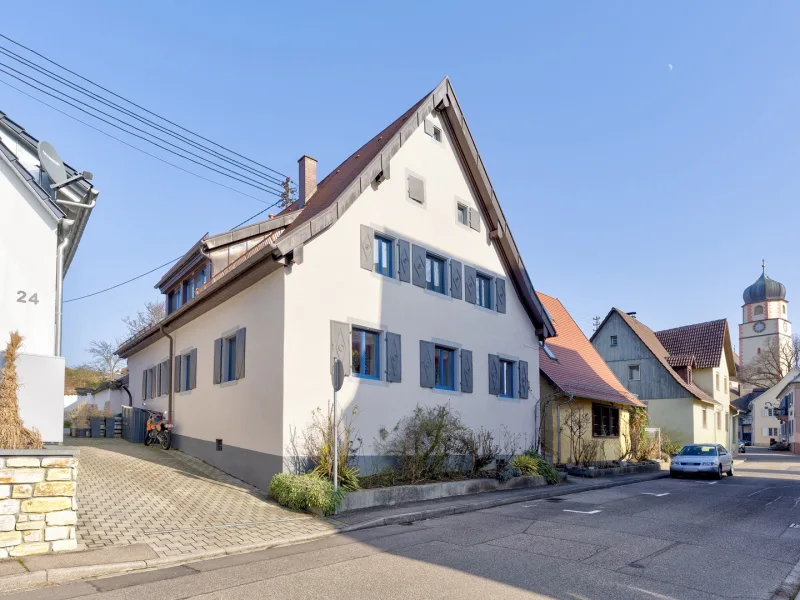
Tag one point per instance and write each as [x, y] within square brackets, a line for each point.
[340, 346]
[394, 362]
[193, 369]
[455, 279]
[404, 262]
[495, 380]
[154, 393]
[176, 374]
[218, 360]
[416, 189]
[165, 377]
[428, 127]
[418, 266]
[524, 384]
[500, 294]
[144, 384]
[427, 376]
[474, 219]
[466, 371]
[470, 276]
[366, 244]
[241, 352]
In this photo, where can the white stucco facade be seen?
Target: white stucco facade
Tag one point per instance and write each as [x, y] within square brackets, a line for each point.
[288, 314]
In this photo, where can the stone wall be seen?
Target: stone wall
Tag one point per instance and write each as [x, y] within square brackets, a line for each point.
[38, 506]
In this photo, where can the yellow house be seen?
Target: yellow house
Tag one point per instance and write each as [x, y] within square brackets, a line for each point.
[583, 406]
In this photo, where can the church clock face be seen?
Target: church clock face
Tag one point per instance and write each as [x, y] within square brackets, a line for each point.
[759, 327]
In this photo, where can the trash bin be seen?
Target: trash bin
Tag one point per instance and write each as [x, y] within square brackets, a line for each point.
[134, 424]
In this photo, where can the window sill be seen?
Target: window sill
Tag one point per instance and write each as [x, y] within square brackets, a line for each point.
[606, 437]
[367, 377]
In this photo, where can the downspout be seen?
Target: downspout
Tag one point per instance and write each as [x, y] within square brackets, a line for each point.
[64, 226]
[558, 425]
[171, 384]
[127, 391]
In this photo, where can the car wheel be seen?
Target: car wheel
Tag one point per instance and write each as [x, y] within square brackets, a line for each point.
[730, 471]
[718, 474]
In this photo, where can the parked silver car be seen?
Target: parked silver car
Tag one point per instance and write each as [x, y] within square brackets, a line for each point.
[710, 459]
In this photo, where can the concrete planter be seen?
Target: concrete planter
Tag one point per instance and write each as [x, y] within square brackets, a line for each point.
[402, 494]
[627, 469]
[38, 506]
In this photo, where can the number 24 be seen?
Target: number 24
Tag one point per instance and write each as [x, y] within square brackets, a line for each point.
[34, 299]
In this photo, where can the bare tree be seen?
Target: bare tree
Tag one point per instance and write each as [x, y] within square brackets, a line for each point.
[153, 313]
[105, 358]
[288, 193]
[773, 363]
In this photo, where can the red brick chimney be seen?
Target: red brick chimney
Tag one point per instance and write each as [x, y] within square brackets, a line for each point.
[307, 179]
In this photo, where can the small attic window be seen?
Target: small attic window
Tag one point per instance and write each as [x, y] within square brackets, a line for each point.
[437, 134]
[550, 354]
[614, 341]
[433, 131]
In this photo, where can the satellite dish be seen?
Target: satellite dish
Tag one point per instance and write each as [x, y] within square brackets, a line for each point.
[51, 162]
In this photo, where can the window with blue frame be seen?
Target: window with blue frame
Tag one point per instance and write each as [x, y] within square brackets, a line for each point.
[445, 366]
[229, 370]
[507, 383]
[173, 301]
[383, 256]
[434, 273]
[483, 291]
[186, 372]
[366, 353]
[190, 285]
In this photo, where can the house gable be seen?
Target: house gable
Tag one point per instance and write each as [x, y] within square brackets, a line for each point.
[655, 382]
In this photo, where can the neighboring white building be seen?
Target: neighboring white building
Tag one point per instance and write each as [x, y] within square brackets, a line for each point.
[768, 419]
[400, 263]
[39, 236]
[115, 393]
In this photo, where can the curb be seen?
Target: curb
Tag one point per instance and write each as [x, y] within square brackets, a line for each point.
[433, 513]
[790, 585]
[57, 576]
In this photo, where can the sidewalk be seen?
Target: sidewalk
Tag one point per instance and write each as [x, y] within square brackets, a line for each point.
[38, 571]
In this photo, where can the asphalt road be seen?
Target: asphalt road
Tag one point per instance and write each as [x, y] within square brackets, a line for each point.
[663, 539]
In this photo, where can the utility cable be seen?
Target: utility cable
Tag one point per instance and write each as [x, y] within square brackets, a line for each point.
[121, 141]
[138, 106]
[236, 176]
[113, 105]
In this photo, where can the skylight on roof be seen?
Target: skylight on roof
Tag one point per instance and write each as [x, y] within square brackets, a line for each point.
[547, 350]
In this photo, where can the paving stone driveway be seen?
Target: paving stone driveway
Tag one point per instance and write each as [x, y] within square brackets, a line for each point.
[177, 504]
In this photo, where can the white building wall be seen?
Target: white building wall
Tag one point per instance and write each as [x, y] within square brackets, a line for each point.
[244, 414]
[27, 266]
[330, 286]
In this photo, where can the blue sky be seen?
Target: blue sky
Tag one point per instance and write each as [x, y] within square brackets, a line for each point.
[625, 184]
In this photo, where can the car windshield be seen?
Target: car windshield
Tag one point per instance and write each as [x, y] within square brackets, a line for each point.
[701, 450]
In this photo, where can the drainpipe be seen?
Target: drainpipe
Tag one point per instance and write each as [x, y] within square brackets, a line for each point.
[558, 425]
[127, 391]
[64, 227]
[171, 384]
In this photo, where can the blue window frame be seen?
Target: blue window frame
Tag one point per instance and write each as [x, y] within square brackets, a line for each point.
[173, 301]
[187, 293]
[483, 291]
[445, 367]
[366, 353]
[383, 256]
[186, 366]
[434, 273]
[230, 368]
[507, 383]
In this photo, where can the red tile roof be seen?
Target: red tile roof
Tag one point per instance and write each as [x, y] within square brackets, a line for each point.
[705, 341]
[649, 338]
[682, 360]
[578, 368]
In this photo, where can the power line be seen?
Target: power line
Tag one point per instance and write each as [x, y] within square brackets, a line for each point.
[121, 141]
[115, 106]
[113, 287]
[138, 106]
[236, 176]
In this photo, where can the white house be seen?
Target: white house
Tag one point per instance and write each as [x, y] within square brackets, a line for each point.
[39, 235]
[400, 263]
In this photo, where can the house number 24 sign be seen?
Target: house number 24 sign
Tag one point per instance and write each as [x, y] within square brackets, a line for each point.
[23, 297]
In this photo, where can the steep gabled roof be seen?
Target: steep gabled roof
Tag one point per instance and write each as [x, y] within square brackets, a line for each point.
[649, 339]
[578, 368]
[706, 341]
[343, 186]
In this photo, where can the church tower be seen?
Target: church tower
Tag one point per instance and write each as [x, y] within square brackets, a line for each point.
[765, 318]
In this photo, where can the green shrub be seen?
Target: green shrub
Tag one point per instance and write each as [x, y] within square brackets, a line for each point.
[526, 464]
[543, 468]
[305, 492]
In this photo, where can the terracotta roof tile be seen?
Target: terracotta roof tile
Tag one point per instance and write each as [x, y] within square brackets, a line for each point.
[682, 360]
[578, 368]
[705, 340]
[648, 336]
